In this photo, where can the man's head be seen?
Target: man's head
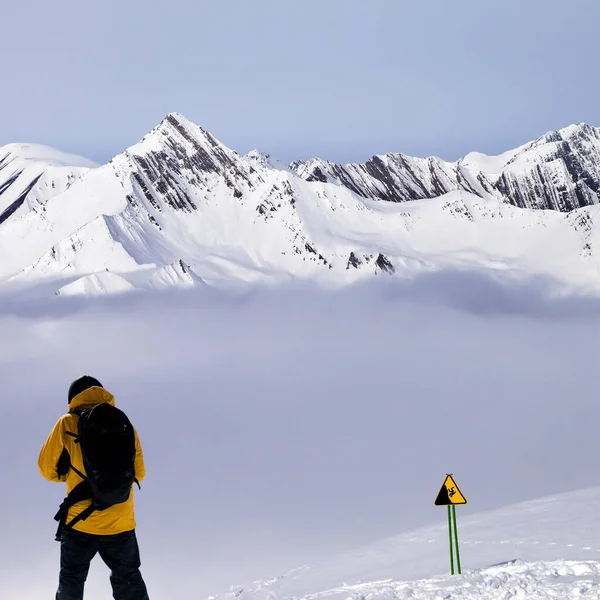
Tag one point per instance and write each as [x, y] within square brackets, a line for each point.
[80, 385]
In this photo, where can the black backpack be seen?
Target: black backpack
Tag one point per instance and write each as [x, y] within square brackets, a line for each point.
[107, 442]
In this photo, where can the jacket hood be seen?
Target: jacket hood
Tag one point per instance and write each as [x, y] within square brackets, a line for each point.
[91, 397]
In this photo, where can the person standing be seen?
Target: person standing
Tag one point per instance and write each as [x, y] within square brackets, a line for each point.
[89, 523]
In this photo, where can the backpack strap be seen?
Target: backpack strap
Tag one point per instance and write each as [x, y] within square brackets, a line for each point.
[78, 472]
[75, 411]
[82, 516]
[79, 493]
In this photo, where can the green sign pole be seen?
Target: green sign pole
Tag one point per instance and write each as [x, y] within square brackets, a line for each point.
[456, 539]
[451, 544]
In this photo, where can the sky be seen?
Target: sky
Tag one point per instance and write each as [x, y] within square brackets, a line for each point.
[342, 79]
[281, 426]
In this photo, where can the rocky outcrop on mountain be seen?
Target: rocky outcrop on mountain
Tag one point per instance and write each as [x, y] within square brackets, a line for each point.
[559, 171]
[178, 163]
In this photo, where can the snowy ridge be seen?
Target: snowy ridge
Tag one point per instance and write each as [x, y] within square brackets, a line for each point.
[179, 208]
[546, 548]
[176, 275]
[98, 284]
[559, 171]
[30, 174]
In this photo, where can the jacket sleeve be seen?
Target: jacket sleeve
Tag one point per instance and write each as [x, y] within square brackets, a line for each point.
[51, 453]
[140, 469]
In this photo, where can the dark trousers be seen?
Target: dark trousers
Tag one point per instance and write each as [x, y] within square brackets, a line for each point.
[120, 553]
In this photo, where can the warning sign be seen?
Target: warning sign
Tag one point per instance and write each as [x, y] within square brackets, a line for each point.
[450, 494]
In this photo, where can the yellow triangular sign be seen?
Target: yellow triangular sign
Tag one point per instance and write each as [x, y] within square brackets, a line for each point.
[449, 493]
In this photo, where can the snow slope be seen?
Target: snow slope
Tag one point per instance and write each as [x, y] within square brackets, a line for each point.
[98, 284]
[548, 548]
[30, 174]
[516, 579]
[180, 208]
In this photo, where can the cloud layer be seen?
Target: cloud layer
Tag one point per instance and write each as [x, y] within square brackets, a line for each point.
[280, 426]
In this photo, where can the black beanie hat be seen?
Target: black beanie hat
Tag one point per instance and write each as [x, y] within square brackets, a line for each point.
[82, 384]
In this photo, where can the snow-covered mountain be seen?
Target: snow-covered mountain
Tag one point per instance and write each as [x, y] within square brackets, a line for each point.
[547, 548]
[181, 209]
[559, 171]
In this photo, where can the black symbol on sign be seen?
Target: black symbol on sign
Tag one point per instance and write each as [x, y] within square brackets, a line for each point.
[449, 494]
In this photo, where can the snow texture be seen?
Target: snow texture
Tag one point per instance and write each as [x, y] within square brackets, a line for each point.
[546, 548]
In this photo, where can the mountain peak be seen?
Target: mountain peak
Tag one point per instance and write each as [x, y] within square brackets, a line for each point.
[264, 160]
[178, 116]
[568, 133]
[177, 120]
[176, 131]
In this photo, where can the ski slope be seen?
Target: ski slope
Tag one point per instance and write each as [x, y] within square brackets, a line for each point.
[548, 548]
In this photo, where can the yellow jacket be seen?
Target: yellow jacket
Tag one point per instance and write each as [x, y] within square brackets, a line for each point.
[119, 517]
